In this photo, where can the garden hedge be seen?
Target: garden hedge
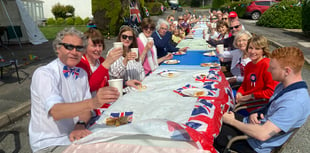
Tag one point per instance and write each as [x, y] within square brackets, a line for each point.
[306, 17]
[154, 8]
[286, 14]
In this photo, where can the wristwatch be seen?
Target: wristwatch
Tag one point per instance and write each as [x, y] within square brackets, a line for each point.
[81, 123]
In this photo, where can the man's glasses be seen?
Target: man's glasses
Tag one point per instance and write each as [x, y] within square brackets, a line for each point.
[149, 28]
[236, 27]
[224, 18]
[180, 19]
[71, 47]
[129, 37]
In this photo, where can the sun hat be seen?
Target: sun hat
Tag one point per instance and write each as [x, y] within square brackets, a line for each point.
[232, 14]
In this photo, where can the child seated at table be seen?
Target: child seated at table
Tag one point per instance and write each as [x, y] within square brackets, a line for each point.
[177, 36]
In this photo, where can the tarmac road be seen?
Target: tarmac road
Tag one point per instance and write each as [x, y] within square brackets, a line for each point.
[15, 97]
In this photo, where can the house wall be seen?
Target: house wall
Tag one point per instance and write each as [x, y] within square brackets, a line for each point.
[83, 8]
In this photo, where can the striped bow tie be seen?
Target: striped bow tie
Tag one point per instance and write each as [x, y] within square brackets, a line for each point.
[73, 71]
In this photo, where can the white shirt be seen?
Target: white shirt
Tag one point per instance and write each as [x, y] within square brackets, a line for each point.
[49, 87]
[236, 60]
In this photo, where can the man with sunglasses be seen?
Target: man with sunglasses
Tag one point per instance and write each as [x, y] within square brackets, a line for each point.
[61, 102]
[162, 39]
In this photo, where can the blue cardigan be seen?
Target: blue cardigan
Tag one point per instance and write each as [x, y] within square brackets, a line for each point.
[162, 44]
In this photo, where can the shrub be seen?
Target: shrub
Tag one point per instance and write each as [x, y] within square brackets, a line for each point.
[50, 21]
[78, 21]
[154, 8]
[196, 3]
[305, 17]
[69, 9]
[239, 7]
[70, 21]
[60, 21]
[61, 11]
[282, 15]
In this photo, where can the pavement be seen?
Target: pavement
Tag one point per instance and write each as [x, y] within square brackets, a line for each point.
[15, 97]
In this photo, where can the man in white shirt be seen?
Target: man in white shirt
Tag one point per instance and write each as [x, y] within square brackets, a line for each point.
[61, 102]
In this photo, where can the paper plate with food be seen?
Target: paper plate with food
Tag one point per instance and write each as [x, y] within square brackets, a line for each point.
[169, 74]
[194, 92]
[172, 61]
[200, 75]
[216, 65]
[141, 87]
[209, 54]
[179, 53]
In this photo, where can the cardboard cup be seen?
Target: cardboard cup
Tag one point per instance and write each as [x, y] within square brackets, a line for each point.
[150, 39]
[220, 48]
[118, 44]
[136, 50]
[117, 83]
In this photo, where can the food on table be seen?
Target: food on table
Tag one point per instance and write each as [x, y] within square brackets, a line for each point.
[210, 64]
[117, 121]
[170, 74]
[209, 54]
[179, 53]
[171, 61]
[203, 75]
[141, 87]
[199, 93]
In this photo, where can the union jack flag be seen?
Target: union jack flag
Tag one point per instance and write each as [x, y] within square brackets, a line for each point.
[178, 131]
[122, 114]
[134, 12]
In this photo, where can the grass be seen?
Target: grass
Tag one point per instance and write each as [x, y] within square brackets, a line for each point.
[50, 31]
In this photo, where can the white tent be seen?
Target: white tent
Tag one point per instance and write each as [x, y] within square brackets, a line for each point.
[13, 13]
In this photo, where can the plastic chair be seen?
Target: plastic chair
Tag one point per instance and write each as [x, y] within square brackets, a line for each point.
[9, 63]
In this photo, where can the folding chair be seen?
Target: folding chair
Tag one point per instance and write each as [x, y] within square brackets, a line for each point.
[9, 63]
[244, 137]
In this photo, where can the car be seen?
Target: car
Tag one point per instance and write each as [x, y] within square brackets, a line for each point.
[174, 5]
[256, 8]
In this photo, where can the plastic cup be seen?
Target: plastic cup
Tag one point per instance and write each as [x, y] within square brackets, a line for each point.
[207, 36]
[136, 50]
[220, 48]
[150, 39]
[213, 25]
[118, 44]
[117, 83]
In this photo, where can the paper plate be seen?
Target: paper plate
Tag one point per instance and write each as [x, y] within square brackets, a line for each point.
[194, 92]
[171, 61]
[170, 74]
[209, 54]
[179, 53]
[210, 65]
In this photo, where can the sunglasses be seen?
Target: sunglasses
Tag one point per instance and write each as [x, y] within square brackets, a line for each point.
[214, 18]
[225, 18]
[180, 19]
[149, 28]
[171, 20]
[129, 37]
[71, 47]
[236, 27]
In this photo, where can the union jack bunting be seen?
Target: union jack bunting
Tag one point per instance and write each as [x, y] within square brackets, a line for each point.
[213, 91]
[135, 15]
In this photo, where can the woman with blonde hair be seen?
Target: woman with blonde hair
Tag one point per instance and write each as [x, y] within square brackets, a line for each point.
[257, 83]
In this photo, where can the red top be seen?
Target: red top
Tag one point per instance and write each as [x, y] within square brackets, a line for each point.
[97, 79]
[258, 80]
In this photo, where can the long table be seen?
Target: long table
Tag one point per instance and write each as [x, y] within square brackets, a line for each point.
[162, 119]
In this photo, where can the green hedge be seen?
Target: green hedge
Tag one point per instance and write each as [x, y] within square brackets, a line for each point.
[285, 14]
[69, 21]
[50, 21]
[154, 8]
[306, 17]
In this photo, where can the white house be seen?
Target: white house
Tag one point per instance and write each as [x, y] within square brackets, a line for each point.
[42, 9]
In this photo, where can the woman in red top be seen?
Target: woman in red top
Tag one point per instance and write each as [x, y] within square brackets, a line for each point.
[257, 83]
[96, 66]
